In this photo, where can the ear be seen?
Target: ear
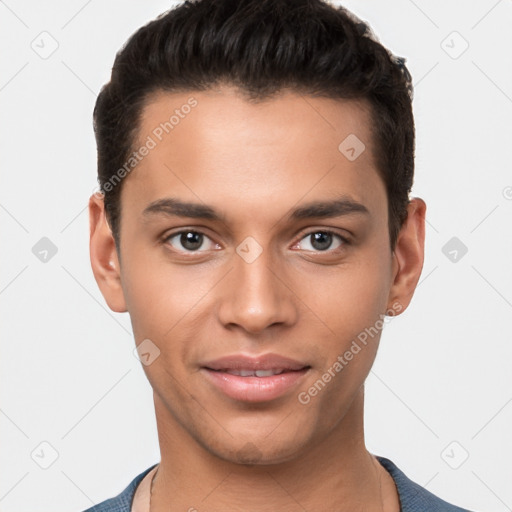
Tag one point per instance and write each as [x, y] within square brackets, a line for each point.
[408, 256]
[104, 258]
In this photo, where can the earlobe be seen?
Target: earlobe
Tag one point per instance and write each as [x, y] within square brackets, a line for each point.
[408, 256]
[104, 258]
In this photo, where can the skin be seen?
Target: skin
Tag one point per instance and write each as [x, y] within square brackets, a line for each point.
[254, 163]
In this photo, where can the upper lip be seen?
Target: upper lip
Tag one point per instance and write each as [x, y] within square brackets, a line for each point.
[261, 362]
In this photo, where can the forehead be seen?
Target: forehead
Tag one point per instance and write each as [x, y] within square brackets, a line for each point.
[228, 109]
[218, 147]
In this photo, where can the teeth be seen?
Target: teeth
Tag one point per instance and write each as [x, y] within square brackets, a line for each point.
[268, 373]
[254, 373]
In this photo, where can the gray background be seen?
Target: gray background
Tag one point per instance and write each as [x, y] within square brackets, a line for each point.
[439, 396]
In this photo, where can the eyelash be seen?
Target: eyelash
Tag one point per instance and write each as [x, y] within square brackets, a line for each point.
[343, 239]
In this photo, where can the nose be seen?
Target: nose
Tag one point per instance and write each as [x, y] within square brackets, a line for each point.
[255, 296]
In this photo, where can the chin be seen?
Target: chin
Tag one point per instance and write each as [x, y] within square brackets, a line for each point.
[259, 453]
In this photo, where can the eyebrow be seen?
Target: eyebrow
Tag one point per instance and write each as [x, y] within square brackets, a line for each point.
[171, 206]
[333, 208]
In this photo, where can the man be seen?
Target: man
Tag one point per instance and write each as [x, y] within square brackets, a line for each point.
[255, 159]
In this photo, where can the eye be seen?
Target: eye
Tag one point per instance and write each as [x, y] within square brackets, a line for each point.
[322, 241]
[190, 241]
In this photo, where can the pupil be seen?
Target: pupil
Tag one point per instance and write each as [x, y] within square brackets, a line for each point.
[191, 241]
[321, 241]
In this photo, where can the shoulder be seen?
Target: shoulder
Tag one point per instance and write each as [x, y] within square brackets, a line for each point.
[123, 501]
[413, 497]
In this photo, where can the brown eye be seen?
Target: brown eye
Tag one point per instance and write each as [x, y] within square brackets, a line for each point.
[189, 241]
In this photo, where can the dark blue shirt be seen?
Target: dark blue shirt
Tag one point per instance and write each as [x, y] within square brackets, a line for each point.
[413, 497]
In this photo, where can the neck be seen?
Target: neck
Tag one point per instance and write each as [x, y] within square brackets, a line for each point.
[336, 474]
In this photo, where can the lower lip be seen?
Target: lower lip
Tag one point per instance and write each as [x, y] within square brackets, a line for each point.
[254, 389]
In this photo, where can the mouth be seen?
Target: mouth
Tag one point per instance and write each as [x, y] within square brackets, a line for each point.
[254, 373]
[250, 379]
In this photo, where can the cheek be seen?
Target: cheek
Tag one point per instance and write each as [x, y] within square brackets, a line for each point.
[350, 304]
[352, 297]
[158, 295]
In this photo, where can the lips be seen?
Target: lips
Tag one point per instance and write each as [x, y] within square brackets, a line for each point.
[254, 379]
[248, 363]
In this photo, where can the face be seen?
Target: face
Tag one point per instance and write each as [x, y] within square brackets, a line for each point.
[248, 231]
